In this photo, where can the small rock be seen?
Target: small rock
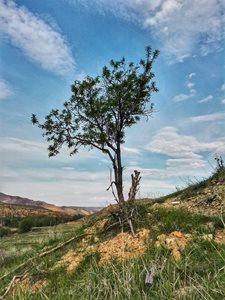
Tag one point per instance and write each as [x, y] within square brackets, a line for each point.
[207, 237]
[175, 202]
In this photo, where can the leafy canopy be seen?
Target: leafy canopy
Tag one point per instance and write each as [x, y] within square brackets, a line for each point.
[101, 107]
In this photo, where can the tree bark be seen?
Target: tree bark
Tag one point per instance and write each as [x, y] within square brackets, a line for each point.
[118, 172]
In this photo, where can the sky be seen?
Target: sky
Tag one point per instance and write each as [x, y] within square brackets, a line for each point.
[46, 45]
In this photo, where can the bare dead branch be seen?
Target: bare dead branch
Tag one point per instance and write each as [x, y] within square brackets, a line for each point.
[135, 182]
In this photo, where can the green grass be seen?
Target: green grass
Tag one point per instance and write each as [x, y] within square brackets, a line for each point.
[168, 220]
[200, 274]
[196, 276]
[17, 248]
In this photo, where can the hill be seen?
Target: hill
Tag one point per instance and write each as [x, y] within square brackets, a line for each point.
[27, 206]
[177, 252]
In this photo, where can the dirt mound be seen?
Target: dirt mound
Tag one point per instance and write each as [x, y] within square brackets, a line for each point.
[176, 241]
[123, 246]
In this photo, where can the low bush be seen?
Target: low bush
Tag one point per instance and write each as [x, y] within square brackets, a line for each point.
[25, 225]
[4, 231]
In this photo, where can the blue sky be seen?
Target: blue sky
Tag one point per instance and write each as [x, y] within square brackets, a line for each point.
[45, 45]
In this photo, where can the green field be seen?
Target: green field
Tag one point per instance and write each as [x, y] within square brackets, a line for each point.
[19, 247]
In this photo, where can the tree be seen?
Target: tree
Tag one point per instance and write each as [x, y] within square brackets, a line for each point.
[100, 109]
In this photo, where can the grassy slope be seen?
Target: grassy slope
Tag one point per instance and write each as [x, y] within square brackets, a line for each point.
[200, 274]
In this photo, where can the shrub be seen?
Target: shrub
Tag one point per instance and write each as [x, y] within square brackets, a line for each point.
[25, 225]
[4, 231]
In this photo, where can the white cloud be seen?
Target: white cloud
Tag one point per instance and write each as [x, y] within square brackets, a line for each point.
[191, 75]
[190, 85]
[38, 40]
[223, 87]
[27, 171]
[130, 150]
[169, 142]
[63, 193]
[5, 90]
[176, 171]
[193, 163]
[189, 26]
[207, 118]
[223, 101]
[182, 28]
[21, 147]
[185, 155]
[181, 97]
[206, 99]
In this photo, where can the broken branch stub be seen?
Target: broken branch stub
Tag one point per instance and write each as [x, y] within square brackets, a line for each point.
[135, 182]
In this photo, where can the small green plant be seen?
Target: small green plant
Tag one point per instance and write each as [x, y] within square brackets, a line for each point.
[4, 231]
[25, 225]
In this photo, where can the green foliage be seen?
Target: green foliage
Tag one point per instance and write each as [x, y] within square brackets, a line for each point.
[25, 225]
[11, 221]
[38, 220]
[77, 217]
[101, 107]
[4, 231]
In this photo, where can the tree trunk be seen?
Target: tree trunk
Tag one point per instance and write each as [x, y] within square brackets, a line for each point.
[118, 172]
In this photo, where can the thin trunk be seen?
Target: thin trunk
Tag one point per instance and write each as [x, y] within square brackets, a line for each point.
[118, 170]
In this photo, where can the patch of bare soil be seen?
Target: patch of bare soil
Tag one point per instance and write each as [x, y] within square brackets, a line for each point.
[220, 236]
[123, 246]
[176, 241]
[71, 259]
[27, 285]
[97, 226]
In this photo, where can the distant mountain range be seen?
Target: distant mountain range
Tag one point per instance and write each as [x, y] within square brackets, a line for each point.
[25, 202]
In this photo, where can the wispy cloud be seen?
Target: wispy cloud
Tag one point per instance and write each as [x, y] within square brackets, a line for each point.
[201, 29]
[27, 171]
[223, 87]
[37, 39]
[5, 90]
[185, 155]
[190, 85]
[191, 75]
[182, 28]
[206, 99]
[207, 118]
[171, 143]
[130, 150]
[183, 97]
[223, 101]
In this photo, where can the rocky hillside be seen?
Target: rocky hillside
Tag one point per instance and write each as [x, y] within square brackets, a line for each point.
[206, 196]
[30, 205]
